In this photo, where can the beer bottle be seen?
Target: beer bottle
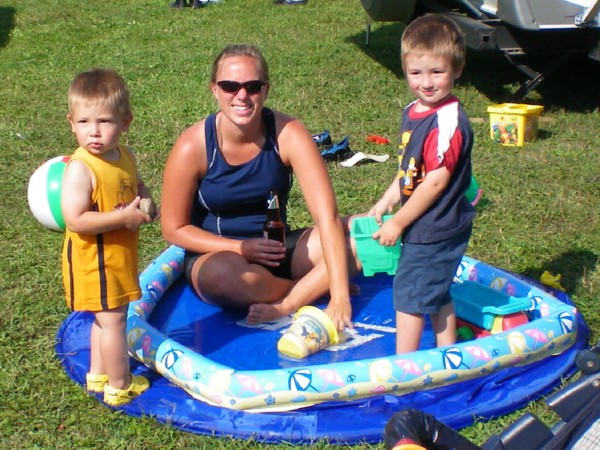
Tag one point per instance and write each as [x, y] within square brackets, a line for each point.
[274, 228]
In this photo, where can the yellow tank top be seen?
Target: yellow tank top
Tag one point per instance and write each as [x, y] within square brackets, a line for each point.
[100, 272]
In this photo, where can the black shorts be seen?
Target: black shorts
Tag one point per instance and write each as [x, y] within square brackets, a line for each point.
[284, 270]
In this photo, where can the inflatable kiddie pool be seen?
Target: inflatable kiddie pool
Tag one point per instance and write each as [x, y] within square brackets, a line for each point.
[212, 373]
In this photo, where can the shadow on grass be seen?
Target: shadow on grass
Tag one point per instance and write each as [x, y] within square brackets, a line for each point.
[572, 265]
[7, 23]
[384, 45]
[573, 86]
[483, 203]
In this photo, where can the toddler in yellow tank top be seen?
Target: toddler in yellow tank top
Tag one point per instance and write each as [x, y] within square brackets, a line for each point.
[100, 198]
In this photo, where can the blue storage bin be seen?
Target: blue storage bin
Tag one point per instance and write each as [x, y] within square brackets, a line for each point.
[480, 304]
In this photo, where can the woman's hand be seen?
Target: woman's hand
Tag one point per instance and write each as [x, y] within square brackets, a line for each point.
[266, 252]
[340, 313]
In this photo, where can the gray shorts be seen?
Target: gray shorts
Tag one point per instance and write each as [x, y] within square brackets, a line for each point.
[425, 273]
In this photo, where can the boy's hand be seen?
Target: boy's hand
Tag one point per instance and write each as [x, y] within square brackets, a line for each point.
[389, 233]
[133, 216]
[379, 210]
[148, 206]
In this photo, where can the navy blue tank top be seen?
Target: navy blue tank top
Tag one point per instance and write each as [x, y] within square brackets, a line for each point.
[232, 200]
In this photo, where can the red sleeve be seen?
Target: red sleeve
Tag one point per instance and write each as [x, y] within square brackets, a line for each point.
[451, 154]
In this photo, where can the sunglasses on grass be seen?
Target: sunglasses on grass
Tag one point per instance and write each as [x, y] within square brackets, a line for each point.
[233, 87]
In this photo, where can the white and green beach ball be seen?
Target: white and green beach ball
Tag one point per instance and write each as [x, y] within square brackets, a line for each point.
[43, 193]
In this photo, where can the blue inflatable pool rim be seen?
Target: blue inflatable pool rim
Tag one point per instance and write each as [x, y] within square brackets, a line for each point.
[463, 403]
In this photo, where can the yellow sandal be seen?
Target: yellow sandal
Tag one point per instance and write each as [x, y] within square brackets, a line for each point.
[95, 382]
[118, 397]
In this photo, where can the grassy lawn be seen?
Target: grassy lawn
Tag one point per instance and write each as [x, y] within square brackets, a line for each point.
[539, 212]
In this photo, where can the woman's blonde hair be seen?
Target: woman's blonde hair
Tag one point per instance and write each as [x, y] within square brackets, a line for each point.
[240, 50]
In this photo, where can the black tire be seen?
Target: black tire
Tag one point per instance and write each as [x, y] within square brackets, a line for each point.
[588, 361]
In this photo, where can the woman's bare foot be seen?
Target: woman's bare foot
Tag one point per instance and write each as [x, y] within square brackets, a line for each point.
[265, 312]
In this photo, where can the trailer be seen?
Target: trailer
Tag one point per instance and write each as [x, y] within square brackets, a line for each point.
[536, 36]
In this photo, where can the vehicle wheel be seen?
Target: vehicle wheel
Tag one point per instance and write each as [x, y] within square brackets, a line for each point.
[588, 361]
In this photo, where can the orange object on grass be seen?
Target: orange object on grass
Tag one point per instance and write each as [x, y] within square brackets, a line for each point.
[378, 139]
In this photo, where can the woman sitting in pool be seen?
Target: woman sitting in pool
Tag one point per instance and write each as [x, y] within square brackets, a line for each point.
[214, 202]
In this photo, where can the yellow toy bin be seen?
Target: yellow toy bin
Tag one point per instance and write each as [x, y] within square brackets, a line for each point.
[514, 123]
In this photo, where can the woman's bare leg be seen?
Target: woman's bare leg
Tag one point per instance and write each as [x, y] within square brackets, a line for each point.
[228, 279]
[310, 271]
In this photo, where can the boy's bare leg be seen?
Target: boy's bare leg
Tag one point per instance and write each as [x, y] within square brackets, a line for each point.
[444, 325]
[409, 328]
[96, 363]
[113, 346]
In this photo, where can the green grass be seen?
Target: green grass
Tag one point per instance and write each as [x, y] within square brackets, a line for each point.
[539, 212]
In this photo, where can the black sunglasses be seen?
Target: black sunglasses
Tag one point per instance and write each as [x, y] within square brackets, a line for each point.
[233, 87]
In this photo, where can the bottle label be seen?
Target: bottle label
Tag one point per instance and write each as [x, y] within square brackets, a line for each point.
[273, 203]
